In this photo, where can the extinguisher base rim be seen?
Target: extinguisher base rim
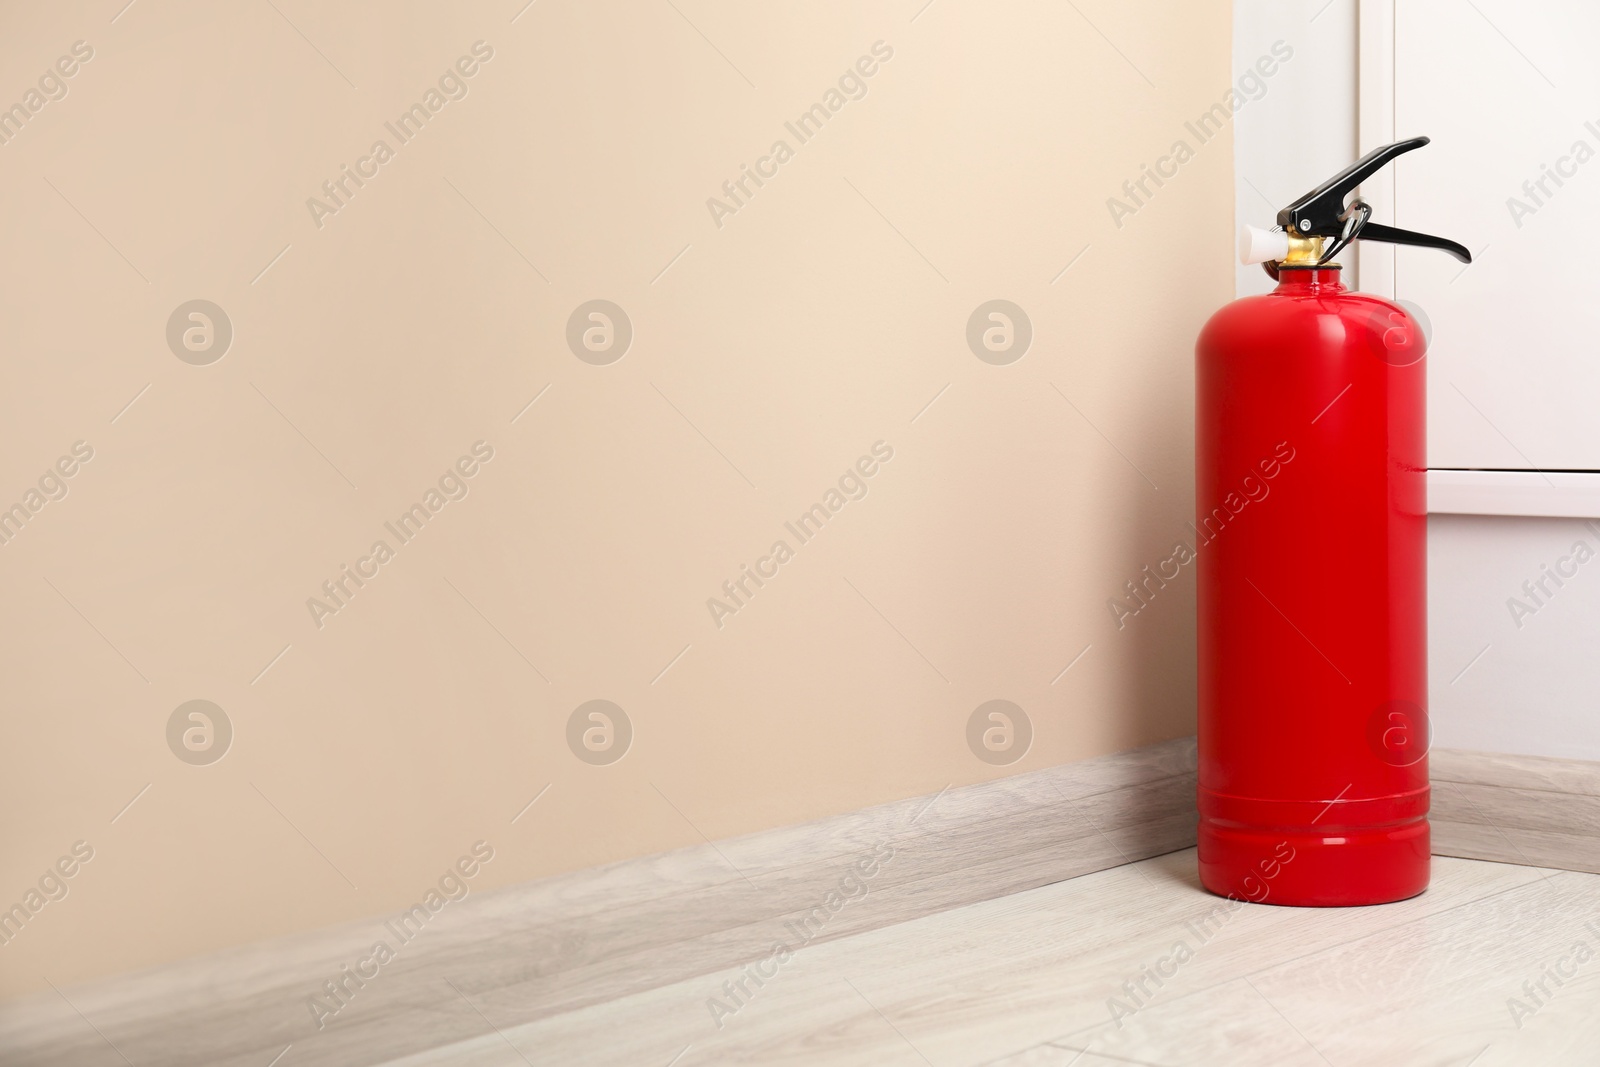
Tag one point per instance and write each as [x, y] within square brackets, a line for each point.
[1307, 867]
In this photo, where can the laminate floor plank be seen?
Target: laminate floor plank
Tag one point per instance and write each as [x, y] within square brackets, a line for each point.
[1050, 965]
[1225, 1024]
[1445, 990]
[1025, 978]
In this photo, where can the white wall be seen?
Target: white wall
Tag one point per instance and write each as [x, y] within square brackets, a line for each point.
[1498, 686]
[1303, 128]
[1495, 686]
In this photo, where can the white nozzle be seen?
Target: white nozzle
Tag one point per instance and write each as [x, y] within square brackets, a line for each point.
[1257, 245]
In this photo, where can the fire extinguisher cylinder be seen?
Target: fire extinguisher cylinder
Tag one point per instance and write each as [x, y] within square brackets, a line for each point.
[1311, 514]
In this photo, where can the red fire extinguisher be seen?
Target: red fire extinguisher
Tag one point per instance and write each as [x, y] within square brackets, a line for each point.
[1311, 523]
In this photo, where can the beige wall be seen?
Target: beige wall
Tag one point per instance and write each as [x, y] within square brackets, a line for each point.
[424, 315]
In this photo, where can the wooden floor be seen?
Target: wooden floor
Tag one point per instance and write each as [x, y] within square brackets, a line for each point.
[1029, 980]
[1035, 977]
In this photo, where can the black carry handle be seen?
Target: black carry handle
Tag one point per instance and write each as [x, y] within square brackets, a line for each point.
[1373, 231]
[1322, 211]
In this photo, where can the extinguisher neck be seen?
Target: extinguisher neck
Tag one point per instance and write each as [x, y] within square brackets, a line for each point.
[1325, 279]
[1303, 252]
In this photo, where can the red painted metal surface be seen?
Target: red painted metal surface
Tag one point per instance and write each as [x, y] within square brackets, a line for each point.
[1311, 506]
